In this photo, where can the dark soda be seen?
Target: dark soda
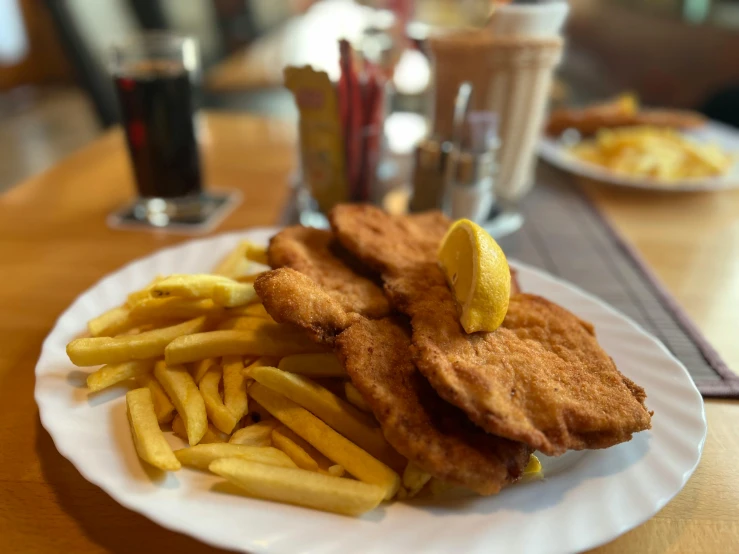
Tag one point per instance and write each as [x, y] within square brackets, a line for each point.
[156, 107]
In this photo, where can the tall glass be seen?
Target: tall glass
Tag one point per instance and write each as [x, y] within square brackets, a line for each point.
[153, 75]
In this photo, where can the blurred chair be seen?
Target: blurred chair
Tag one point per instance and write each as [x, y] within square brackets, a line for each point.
[88, 28]
[196, 18]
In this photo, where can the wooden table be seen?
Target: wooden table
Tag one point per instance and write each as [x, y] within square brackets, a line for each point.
[54, 244]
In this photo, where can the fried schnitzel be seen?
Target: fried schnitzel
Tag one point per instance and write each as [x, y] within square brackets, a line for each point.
[588, 121]
[293, 298]
[311, 252]
[419, 238]
[433, 434]
[541, 378]
[438, 437]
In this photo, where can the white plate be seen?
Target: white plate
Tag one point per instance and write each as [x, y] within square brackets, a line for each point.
[586, 498]
[555, 152]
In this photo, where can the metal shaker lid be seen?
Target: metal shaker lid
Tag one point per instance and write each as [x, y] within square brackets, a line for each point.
[470, 168]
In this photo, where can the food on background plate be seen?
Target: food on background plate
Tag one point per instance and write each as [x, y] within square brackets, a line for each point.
[310, 392]
[622, 111]
[663, 155]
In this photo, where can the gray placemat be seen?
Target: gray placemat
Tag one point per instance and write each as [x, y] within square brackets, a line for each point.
[564, 234]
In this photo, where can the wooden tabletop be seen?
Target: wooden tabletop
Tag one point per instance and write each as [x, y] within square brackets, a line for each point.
[54, 244]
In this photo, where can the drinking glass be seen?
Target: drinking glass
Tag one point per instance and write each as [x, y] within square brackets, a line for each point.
[153, 75]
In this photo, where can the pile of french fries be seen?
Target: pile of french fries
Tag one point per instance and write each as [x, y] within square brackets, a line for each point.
[258, 403]
[664, 155]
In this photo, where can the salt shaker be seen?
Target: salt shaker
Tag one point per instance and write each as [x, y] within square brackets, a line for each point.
[429, 176]
[471, 168]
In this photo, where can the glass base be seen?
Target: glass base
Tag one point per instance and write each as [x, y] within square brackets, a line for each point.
[503, 222]
[195, 214]
[308, 213]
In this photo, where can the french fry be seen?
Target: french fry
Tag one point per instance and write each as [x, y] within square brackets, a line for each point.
[234, 386]
[235, 264]
[212, 435]
[163, 407]
[173, 308]
[300, 487]
[439, 488]
[223, 291]
[243, 343]
[330, 409]
[255, 310]
[250, 278]
[355, 397]
[258, 434]
[247, 323]
[148, 438]
[112, 374]
[150, 344]
[313, 365]
[533, 470]
[330, 443]
[135, 297]
[113, 322]
[201, 455]
[234, 294]
[137, 330]
[336, 470]
[255, 253]
[222, 417]
[202, 367]
[184, 393]
[260, 362]
[324, 464]
[301, 458]
[187, 285]
[414, 479]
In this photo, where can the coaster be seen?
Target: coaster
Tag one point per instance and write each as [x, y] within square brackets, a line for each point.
[211, 209]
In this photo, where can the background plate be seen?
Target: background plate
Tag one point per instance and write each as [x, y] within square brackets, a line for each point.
[555, 152]
[586, 498]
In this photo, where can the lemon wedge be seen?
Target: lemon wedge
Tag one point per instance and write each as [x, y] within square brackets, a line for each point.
[477, 273]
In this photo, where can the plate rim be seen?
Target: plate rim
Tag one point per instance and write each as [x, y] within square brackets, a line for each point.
[150, 511]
